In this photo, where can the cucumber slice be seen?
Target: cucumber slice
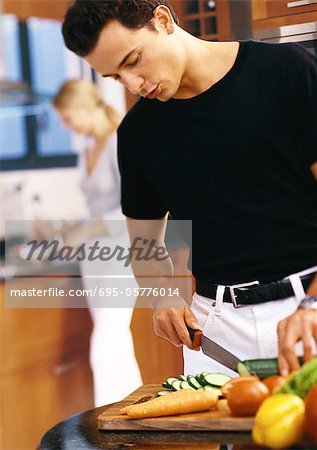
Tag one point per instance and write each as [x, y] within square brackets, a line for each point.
[243, 369]
[176, 385]
[192, 381]
[169, 382]
[200, 378]
[166, 385]
[182, 378]
[212, 388]
[161, 393]
[216, 379]
[186, 385]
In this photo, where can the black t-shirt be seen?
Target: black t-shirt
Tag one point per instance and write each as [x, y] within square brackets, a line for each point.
[236, 161]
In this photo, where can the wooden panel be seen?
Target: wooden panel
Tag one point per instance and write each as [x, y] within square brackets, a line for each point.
[33, 401]
[27, 335]
[278, 8]
[219, 419]
[286, 20]
[44, 369]
[223, 22]
[157, 358]
[259, 9]
[47, 9]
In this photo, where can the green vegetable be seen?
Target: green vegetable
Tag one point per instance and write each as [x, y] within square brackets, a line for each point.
[216, 379]
[204, 381]
[261, 367]
[161, 393]
[302, 380]
[211, 388]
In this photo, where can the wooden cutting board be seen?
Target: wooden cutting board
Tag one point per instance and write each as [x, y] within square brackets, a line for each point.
[219, 419]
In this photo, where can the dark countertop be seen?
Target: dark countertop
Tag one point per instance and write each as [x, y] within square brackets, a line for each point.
[80, 432]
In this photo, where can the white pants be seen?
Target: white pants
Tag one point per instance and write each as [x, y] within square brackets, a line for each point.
[249, 332]
[114, 366]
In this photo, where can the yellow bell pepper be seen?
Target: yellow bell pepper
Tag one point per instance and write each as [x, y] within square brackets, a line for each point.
[279, 422]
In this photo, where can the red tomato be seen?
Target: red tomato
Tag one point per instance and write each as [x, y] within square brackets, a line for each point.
[311, 413]
[225, 388]
[274, 382]
[245, 397]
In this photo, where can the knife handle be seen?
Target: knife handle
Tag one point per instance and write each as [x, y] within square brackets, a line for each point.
[195, 336]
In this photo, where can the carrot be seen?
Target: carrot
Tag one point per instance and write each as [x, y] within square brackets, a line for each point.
[125, 409]
[179, 402]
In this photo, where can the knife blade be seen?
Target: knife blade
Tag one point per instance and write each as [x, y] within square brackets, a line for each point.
[213, 350]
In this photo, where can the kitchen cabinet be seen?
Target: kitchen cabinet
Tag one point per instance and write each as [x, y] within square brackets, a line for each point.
[44, 360]
[279, 8]
[47, 9]
[277, 13]
[206, 19]
[44, 369]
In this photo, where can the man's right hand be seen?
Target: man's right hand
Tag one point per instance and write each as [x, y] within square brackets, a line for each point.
[170, 324]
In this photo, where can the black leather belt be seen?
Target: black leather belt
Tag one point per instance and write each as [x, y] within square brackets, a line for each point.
[252, 293]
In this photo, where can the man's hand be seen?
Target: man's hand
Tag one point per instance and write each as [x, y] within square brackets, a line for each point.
[170, 323]
[300, 326]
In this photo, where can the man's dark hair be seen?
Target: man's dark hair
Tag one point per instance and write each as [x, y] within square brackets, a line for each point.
[85, 19]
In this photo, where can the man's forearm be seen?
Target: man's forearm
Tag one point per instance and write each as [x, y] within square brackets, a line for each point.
[153, 270]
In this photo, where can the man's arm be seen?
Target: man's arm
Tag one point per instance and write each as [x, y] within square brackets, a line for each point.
[170, 313]
[300, 326]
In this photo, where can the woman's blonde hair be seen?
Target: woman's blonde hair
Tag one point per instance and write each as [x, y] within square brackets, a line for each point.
[81, 92]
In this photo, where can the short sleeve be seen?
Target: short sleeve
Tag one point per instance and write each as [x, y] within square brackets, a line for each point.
[139, 198]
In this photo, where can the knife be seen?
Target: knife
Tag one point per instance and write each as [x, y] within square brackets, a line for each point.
[213, 350]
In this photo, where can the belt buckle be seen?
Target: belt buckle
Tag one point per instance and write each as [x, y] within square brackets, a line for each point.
[242, 285]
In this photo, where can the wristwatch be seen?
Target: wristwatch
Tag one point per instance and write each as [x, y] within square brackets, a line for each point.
[309, 303]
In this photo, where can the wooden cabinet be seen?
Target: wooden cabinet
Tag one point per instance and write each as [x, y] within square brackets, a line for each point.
[47, 9]
[277, 13]
[206, 19]
[44, 360]
[278, 8]
[44, 370]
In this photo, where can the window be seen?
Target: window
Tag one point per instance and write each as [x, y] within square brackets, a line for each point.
[34, 64]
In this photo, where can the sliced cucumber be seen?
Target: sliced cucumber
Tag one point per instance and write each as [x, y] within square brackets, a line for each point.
[243, 369]
[169, 381]
[161, 393]
[211, 388]
[200, 378]
[176, 385]
[182, 378]
[192, 381]
[166, 385]
[216, 379]
[186, 385]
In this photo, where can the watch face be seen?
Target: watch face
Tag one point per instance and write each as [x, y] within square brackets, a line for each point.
[310, 299]
[309, 302]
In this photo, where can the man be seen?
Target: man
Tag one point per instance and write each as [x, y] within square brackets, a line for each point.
[225, 136]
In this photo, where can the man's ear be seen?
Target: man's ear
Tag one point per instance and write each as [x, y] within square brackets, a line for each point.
[163, 19]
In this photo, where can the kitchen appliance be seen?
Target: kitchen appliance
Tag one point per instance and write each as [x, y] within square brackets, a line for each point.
[304, 34]
[219, 419]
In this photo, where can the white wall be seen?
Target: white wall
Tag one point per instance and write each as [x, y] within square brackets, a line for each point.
[58, 190]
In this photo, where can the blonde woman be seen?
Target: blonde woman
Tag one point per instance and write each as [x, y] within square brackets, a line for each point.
[114, 366]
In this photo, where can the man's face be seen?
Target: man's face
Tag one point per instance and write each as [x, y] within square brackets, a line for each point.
[148, 63]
